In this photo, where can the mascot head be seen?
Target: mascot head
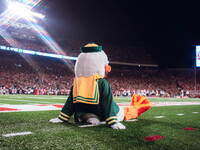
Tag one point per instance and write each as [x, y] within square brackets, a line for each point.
[92, 60]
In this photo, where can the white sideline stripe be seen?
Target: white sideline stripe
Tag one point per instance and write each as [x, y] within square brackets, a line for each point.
[180, 114]
[91, 125]
[131, 120]
[44, 97]
[30, 108]
[159, 117]
[38, 97]
[87, 125]
[26, 101]
[16, 134]
[157, 104]
[40, 106]
[195, 112]
[58, 98]
[15, 97]
[33, 104]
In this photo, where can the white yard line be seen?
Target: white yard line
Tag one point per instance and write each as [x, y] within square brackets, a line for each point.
[159, 117]
[33, 104]
[132, 120]
[91, 125]
[44, 97]
[17, 134]
[27, 101]
[15, 97]
[88, 125]
[42, 106]
[195, 112]
[59, 97]
[34, 96]
[37, 97]
[156, 104]
[35, 107]
[179, 114]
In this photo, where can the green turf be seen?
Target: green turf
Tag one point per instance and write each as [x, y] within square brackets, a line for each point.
[159, 99]
[33, 99]
[69, 136]
[50, 99]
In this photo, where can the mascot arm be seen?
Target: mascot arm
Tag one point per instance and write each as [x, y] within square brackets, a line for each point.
[108, 105]
[68, 109]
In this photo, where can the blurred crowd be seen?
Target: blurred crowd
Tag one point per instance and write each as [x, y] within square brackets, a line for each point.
[155, 82]
[25, 74]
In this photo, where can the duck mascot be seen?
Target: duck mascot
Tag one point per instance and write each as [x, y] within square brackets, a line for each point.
[91, 99]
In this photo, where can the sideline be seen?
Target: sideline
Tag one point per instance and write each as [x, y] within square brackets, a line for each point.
[58, 106]
[25, 101]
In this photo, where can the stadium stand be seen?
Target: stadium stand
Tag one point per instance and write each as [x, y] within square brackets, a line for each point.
[26, 74]
[37, 74]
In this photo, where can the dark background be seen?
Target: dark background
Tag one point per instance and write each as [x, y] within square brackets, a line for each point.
[168, 30]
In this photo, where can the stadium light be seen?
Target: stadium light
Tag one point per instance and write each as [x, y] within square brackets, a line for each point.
[22, 11]
[41, 16]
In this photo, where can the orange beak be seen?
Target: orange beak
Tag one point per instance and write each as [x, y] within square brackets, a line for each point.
[107, 69]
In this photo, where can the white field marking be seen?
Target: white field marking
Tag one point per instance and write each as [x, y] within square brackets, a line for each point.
[164, 103]
[131, 120]
[15, 97]
[91, 125]
[35, 97]
[195, 112]
[158, 98]
[87, 125]
[47, 97]
[17, 134]
[179, 114]
[123, 97]
[170, 98]
[159, 117]
[49, 106]
[174, 103]
[59, 97]
[38, 97]
[26, 101]
[29, 108]
[33, 104]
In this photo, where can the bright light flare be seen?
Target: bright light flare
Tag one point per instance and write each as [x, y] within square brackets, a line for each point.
[41, 16]
[18, 9]
[22, 10]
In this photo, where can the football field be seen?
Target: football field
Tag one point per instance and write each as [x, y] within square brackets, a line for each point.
[171, 123]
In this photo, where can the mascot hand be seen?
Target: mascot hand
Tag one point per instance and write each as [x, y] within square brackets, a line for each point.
[118, 125]
[93, 121]
[55, 120]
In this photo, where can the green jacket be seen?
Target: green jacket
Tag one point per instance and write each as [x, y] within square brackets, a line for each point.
[106, 110]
